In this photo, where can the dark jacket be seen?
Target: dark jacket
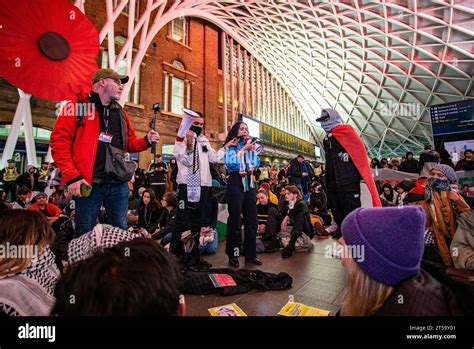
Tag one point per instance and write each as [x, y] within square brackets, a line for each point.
[409, 166]
[24, 180]
[295, 172]
[308, 169]
[299, 218]
[281, 174]
[464, 165]
[318, 201]
[262, 211]
[174, 172]
[140, 179]
[210, 213]
[422, 295]
[167, 223]
[427, 156]
[158, 173]
[149, 219]
[339, 166]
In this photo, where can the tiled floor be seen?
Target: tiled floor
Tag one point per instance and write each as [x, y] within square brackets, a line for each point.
[317, 281]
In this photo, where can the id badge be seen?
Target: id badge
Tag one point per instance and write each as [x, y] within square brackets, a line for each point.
[105, 137]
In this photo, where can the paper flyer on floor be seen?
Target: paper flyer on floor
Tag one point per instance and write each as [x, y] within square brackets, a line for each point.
[227, 310]
[299, 309]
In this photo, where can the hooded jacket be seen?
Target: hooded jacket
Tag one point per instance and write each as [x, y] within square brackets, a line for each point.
[349, 157]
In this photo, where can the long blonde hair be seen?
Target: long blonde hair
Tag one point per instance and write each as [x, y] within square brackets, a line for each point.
[22, 228]
[363, 296]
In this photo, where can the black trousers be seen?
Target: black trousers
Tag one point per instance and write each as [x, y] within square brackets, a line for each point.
[159, 190]
[10, 187]
[188, 217]
[239, 204]
[272, 227]
[342, 200]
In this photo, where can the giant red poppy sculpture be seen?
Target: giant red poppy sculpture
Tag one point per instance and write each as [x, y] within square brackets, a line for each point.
[47, 48]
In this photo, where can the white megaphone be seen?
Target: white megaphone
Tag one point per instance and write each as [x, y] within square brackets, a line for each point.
[188, 118]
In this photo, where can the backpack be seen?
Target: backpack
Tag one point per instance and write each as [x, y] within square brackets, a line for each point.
[190, 255]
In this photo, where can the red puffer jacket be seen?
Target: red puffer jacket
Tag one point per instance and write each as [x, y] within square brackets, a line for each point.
[74, 148]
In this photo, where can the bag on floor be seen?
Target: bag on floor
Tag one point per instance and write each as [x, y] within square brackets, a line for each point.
[303, 243]
[190, 250]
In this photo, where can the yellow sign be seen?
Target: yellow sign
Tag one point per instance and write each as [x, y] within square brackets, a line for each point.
[299, 309]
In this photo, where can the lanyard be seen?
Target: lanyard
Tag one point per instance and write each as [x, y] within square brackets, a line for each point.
[106, 119]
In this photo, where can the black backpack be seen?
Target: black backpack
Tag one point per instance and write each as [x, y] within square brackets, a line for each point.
[190, 255]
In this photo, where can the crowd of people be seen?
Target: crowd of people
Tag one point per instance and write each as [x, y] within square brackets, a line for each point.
[116, 229]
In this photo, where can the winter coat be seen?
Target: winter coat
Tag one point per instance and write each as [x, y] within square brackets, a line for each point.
[422, 295]
[462, 245]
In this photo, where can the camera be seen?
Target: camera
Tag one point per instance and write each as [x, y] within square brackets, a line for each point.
[156, 107]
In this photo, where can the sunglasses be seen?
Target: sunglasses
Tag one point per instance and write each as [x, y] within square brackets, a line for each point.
[117, 81]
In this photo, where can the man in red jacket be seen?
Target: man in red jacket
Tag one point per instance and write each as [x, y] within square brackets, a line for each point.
[78, 146]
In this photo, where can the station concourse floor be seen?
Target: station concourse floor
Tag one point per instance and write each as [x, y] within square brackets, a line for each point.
[317, 282]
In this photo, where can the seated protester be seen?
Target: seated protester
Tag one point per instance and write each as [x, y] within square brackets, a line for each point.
[208, 235]
[388, 266]
[402, 190]
[168, 218]
[101, 237]
[132, 201]
[27, 284]
[64, 235]
[133, 278]
[268, 216]
[272, 197]
[26, 197]
[51, 211]
[443, 207]
[462, 245]
[132, 215]
[297, 215]
[281, 197]
[388, 197]
[59, 199]
[150, 211]
[318, 202]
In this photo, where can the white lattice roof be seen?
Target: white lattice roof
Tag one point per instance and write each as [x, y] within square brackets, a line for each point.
[362, 58]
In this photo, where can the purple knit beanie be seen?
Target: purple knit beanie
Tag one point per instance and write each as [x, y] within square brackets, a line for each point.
[392, 240]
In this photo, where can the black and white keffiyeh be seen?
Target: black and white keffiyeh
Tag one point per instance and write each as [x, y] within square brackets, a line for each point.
[193, 180]
[102, 236]
[30, 292]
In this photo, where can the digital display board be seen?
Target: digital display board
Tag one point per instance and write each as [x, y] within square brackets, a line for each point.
[278, 138]
[451, 118]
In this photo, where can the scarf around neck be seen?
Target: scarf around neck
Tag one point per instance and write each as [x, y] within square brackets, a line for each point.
[247, 167]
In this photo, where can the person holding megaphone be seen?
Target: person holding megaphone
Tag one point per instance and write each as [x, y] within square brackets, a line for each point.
[193, 154]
